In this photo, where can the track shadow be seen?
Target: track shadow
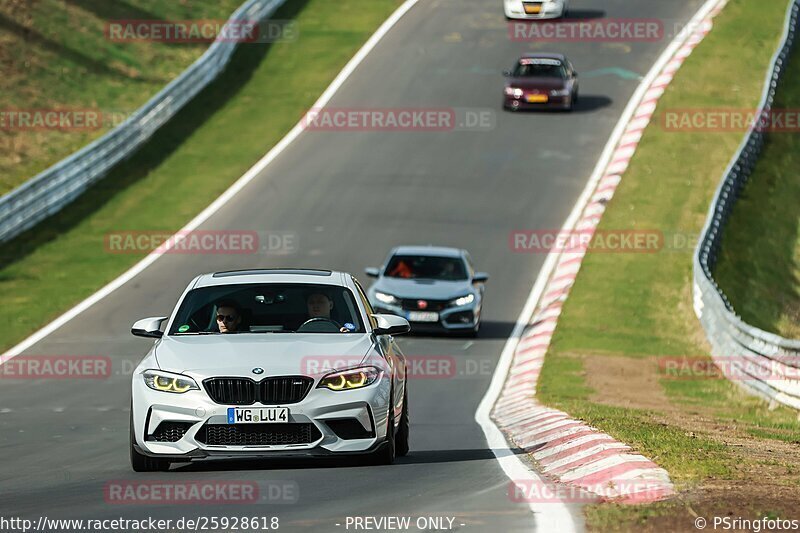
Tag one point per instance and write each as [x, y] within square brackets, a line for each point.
[116, 10]
[163, 143]
[585, 104]
[489, 330]
[353, 461]
[119, 10]
[584, 14]
[29, 35]
[591, 102]
[454, 456]
[494, 329]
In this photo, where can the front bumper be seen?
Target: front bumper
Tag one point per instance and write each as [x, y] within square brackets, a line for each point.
[516, 9]
[201, 454]
[553, 102]
[455, 319]
[368, 406]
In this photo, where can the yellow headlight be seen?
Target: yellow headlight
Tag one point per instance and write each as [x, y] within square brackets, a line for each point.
[338, 385]
[163, 383]
[177, 388]
[361, 378]
[168, 382]
[350, 379]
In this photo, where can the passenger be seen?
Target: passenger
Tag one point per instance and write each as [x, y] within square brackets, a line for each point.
[320, 306]
[401, 270]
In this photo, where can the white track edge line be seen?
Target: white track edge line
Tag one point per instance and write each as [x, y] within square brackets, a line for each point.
[512, 466]
[548, 519]
[215, 206]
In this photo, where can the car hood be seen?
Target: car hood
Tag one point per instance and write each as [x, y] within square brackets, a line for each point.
[423, 288]
[279, 354]
[547, 84]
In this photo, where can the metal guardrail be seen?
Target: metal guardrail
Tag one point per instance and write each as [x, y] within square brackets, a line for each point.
[764, 363]
[51, 190]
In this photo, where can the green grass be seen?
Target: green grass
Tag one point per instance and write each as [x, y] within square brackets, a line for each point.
[759, 264]
[190, 162]
[639, 306]
[55, 55]
[562, 385]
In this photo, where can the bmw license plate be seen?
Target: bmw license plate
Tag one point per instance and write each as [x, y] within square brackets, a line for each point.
[258, 415]
[533, 9]
[423, 316]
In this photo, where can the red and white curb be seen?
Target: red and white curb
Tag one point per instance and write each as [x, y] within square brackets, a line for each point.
[565, 449]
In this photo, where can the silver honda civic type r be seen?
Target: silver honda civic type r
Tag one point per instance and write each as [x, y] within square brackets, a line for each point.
[270, 363]
[435, 288]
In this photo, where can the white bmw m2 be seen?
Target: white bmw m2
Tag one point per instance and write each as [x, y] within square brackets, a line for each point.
[270, 363]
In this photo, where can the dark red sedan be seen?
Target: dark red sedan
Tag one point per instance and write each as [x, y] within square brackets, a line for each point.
[541, 80]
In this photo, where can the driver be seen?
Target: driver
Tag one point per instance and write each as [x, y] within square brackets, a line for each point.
[320, 306]
[228, 317]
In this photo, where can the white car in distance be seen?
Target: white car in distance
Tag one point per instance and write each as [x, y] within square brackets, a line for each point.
[535, 10]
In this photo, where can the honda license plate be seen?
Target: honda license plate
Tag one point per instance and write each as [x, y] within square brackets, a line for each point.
[423, 316]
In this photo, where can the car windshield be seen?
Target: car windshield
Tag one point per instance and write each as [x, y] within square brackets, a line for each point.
[268, 308]
[426, 267]
[539, 69]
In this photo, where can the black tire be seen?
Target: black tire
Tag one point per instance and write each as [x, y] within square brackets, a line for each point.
[144, 463]
[469, 333]
[386, 453]
[573, 99]
[476, 330]
[401, 438]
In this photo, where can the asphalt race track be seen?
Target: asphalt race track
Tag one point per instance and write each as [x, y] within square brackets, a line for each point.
[348, 197]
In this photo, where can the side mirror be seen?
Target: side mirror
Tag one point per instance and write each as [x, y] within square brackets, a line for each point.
[391, 325]
[372, 272]
[149, 327]
[480, 277]
[507, 73]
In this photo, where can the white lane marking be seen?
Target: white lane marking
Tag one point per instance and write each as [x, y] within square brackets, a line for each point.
[215, 206]
[550, 515]
[586, 454]
[527, 429]
[534, 440]
[556, 517]
[587, 439]
[607, 462]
